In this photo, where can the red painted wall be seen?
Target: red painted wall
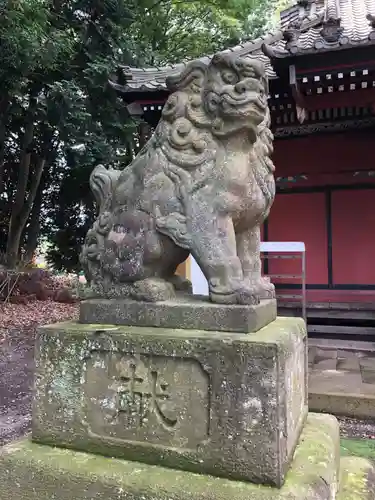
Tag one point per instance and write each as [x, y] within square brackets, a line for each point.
[327, 160]
[301, 217]
[322, 154]
[353, 237]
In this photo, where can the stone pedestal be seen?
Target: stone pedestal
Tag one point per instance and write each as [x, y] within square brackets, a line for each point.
[225, 404]
[188, 312]
[125, 412]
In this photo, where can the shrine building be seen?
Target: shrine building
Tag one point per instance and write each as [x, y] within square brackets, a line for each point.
[321, 67]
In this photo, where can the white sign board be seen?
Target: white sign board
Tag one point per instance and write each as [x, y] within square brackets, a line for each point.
[282, 246]
[199, 282]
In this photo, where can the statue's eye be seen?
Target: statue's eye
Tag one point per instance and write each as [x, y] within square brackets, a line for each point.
[229, 77]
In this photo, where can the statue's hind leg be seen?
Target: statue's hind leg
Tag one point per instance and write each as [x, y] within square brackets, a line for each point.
[248, 250]
[214, 248]
[160, 260]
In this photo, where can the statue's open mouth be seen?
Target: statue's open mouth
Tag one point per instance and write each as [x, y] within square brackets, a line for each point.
[250, 105]
[241, 99]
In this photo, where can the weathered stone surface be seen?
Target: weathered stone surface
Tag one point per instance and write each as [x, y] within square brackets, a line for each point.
[357, 479]
[229, 405]
[192, 313]
[29, 471]
[343, 404]
[203, 184]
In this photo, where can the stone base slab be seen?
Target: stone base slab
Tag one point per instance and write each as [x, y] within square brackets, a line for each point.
[29, 471]
[189, 312]
[357, 479]
[229, 405]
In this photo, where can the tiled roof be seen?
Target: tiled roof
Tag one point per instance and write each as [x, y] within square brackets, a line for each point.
[308, 26]
[339, 24]
[151, 79]
[300, 9]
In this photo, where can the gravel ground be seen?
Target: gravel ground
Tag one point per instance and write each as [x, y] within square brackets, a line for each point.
[18, 325]
[353, 428]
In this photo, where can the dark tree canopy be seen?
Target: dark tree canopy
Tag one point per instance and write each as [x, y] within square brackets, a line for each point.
[58, 115]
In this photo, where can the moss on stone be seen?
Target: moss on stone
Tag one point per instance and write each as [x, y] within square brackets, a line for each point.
[318, 451]
[357, 479]
[268, 334]
[36, 472]
[242, 384]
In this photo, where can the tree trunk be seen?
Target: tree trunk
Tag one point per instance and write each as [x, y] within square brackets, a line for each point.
[33, 229]
[4, 109]
[19, 213]
[129, 152]
[18, 220]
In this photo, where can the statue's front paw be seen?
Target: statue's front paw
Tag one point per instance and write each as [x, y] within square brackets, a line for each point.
[223, 298]
[222, 292]
[237, 294]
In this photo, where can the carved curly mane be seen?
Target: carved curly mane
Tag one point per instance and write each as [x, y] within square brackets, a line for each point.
[209, 106]
[200, 112]
[260, 158]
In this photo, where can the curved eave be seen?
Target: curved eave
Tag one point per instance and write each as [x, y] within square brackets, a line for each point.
[275, 53]
[136, 88]
[153, 79]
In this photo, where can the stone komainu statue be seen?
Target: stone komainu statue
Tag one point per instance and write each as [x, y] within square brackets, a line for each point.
[203, 185]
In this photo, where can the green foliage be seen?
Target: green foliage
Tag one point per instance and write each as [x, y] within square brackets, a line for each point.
[59, 117]
[96, 129]
[30, 44]
[174, 30]
[72, 215]
[58, 102]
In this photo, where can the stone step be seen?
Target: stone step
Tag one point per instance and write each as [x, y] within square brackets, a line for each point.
[350, 345]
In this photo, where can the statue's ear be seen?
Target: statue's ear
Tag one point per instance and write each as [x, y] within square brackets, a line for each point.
[191, 79]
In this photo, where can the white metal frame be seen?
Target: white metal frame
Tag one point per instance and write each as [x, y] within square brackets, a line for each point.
[288, 250]
[270, 250]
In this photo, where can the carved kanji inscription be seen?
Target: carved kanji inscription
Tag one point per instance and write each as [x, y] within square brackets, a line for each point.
[158, 399]
[140, 395]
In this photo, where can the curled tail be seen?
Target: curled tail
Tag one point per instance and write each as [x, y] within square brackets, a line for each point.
[102, 183]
